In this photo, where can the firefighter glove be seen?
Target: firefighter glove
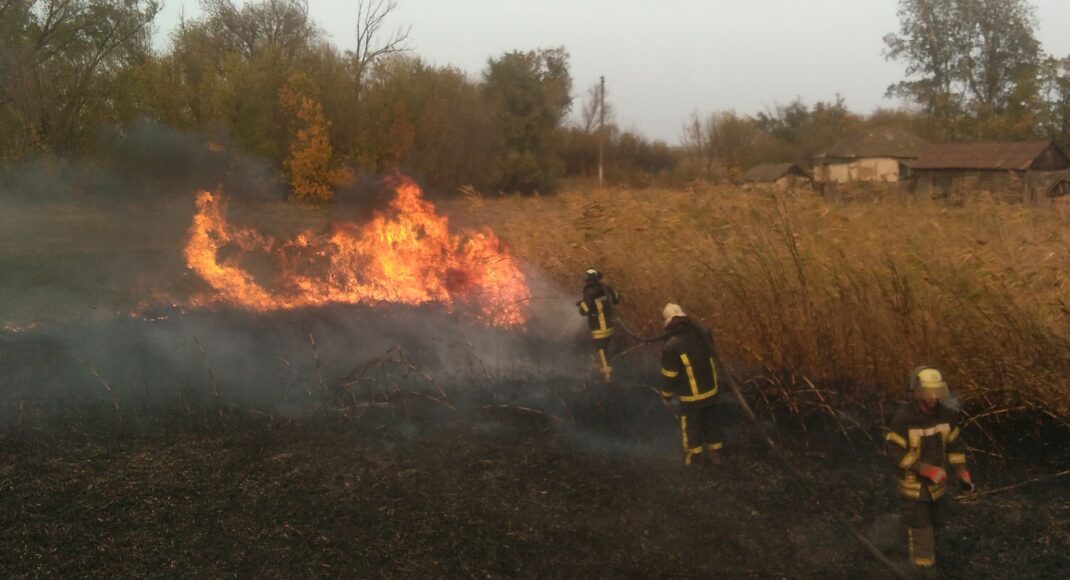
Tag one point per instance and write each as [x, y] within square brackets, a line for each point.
[967, 483]
[933, 473]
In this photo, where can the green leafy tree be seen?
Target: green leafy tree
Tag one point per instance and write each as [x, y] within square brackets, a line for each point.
[429, 120]
[61, 63]
[529, 96]
[1054, 118]
[971, 64]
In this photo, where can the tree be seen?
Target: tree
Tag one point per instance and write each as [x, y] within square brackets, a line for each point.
[313, 176]
[60, 65]
[591, 114]
[226, 69]
[529, 96]
[371, 46]
[930, 41]
[800, 131]
[279, 25]
[1001, 51]
[1055, 90]
[967, 58]
[721, 139]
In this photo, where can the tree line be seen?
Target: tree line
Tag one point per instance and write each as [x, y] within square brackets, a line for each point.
[262, 74]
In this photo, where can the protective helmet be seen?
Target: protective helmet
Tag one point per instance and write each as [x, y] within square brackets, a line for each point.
[927, 381]
[671, 311]
[592, 275]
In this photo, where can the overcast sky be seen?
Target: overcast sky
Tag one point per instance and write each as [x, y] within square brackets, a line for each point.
[663, 59]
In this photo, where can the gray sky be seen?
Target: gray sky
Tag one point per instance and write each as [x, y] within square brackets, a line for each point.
[663, 59]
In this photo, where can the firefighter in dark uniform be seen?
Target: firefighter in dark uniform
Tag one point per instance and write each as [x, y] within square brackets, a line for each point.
[597, 305]
[690, 373]
[925, 443]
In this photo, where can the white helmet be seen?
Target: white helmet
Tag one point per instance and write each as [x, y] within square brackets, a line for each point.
[671, 311]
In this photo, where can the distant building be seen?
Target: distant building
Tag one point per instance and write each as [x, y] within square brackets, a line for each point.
[1022, 171]
[1059, 190]
[779, 175]
[880, 154]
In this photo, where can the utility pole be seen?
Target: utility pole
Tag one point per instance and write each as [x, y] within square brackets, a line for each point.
[601, 128]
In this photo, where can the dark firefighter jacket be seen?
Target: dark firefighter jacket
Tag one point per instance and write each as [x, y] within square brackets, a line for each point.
[687, 363]
[597, 306]
[916, 437]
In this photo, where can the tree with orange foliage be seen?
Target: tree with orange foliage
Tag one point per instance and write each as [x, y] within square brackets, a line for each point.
[313, 175]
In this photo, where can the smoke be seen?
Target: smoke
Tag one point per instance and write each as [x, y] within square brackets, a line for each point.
[952, 403]
[91, 252]
[291, 363]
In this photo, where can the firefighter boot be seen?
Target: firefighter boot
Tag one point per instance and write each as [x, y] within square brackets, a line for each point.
[922, 545]
[607, 374]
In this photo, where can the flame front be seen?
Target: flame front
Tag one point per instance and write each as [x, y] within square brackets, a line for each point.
[405, 255]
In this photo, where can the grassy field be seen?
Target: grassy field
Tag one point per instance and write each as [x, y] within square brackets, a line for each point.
[828, 305]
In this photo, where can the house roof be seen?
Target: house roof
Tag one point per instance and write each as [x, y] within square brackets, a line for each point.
[991, 155]
[771, 171]
[877, 142]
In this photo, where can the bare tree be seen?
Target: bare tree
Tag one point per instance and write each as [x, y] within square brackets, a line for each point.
[371, 46]
[590, 113]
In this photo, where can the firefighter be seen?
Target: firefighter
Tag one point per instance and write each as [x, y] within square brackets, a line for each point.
[690, 373]
[925, 443]
[597, 305]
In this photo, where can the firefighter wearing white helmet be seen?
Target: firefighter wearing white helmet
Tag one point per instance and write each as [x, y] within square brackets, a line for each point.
[597, 304]
[925, 443]
[689, 372]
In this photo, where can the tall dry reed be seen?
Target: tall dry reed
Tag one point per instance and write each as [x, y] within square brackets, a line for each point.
[845, 299]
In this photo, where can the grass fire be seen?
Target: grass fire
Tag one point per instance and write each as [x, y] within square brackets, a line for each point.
[405, 255]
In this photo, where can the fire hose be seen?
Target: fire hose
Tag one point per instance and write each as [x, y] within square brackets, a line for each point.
[782, 458]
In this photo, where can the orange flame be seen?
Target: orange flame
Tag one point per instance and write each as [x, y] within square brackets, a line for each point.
[406, 255]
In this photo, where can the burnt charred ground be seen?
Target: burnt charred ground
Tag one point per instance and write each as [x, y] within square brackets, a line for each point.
[505, 497]
[410, 442]
[510, 472]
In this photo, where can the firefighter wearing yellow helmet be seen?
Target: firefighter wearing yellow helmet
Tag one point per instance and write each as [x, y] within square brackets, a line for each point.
[925, 443]
[597, 304]
[689, 373]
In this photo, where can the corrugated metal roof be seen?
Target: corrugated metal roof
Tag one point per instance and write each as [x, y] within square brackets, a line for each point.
[877, 142]
[991, 155]
[771, 171]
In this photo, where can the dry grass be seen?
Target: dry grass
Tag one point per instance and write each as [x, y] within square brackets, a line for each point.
[832, 304]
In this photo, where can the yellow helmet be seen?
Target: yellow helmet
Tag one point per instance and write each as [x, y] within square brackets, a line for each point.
[927, 381]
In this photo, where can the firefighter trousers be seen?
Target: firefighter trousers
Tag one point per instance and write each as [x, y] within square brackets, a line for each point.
[601, 355]
[699, 430]
[922, 519]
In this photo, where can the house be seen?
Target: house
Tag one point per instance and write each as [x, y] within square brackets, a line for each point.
[779, 175]
[1017, 171]
[880, 154]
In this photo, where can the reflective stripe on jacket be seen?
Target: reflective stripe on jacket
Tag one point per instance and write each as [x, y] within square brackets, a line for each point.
[915, 438]
[687, 363]
[597, 305]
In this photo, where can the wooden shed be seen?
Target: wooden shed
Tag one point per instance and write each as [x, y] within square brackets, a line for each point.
[1059, 189]
[779, 175]
[1016, 171]
[871, 155]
